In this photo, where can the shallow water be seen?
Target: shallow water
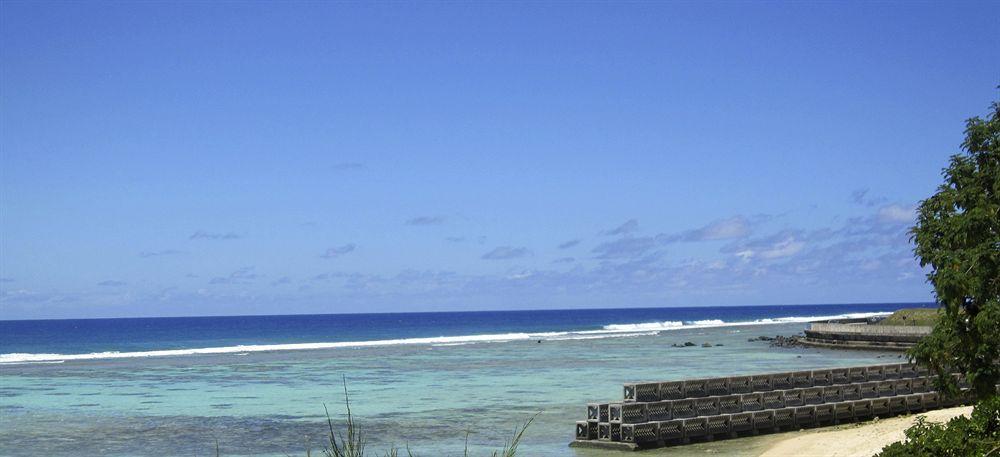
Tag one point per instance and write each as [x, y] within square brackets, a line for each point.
[272, 403]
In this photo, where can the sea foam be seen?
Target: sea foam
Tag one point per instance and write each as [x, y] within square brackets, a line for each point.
[607, 331]
[710, 323]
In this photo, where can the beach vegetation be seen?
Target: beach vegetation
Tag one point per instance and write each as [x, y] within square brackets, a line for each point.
[978, 435]
[912, 317]
[957, 237]
[352, 442]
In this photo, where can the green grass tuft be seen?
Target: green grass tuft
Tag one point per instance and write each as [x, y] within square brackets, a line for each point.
[351, 442]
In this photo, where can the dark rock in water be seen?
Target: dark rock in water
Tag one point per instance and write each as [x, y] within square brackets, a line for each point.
[779, 341]
[675, 345]
[706, 345]
[785, 341]
[688, 343]
[720, 344]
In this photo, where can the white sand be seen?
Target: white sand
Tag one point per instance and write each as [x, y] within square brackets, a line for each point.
[861, 440]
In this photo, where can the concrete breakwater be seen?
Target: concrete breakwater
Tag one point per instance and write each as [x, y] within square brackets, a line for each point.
[655, 414]
[864, 336]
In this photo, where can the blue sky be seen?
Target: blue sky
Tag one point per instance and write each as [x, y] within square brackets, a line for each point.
[258, 158]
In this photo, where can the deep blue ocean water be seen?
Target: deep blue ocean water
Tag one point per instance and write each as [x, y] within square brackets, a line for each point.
[258, 385]
[80, 336]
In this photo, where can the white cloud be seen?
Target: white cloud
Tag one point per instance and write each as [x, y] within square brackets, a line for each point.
[785, 248]
[897, 214]
[734, 227]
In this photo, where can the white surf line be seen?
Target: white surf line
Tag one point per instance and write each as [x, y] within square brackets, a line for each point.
[608, 331]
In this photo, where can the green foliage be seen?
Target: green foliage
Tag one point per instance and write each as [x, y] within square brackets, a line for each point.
[912, 316]
[510, 445]
[354, 444]
[960, 437]
[958, 236]
[351, 443]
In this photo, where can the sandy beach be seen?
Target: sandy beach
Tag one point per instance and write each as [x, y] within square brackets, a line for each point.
[855, 440]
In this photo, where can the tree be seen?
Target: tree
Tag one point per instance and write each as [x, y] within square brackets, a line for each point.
[957, 235]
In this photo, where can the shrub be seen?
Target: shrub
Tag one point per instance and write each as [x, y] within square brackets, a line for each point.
[978, 435]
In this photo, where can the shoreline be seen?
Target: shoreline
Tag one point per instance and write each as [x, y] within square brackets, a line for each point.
[863, 439]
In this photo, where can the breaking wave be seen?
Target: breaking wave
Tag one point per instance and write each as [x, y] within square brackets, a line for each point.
[608, 331]
[710, 323]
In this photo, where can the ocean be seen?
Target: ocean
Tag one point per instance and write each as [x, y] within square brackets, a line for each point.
[258, 385]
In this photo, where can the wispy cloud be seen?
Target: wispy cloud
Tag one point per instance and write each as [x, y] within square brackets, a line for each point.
[862, 197]
[784, 248]
[722, 229]
[625, 248]
[338, 251]
[507, 252]
[569, 244]
[243, 275]
[164, 252]
[426, 220]
[776, 249]
[204, 235]
[850, 259]
[626, 228]
[112, 283]
[348, 166]
[780, 244]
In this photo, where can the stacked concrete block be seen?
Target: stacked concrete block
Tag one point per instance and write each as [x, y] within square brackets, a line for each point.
[666, 413]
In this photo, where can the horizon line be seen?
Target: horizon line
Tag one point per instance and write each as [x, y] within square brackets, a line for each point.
[467, 311]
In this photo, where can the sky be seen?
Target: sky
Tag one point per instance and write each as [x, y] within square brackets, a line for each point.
[174, 159]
